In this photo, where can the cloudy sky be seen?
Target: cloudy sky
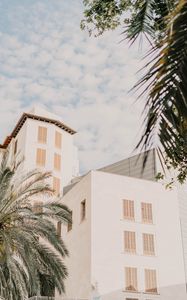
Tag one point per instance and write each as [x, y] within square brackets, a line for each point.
[46, 59]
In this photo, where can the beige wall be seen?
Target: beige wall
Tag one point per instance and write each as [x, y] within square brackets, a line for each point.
[78, 241]
[108, 226]
[97, 257]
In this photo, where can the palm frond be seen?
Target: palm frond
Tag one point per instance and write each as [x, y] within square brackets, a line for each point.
[25, 234]
[167, 100]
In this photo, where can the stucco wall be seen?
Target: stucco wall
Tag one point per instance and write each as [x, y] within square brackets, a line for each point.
[78, 241]
[108, 257]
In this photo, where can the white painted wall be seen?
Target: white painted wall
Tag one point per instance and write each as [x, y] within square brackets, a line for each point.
[105, 245]
[27, 146]
[108, 257]
[78, 242]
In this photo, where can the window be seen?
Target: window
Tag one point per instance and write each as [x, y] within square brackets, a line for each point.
[147, 216]
[69, 225]
[56, 185]
[130, 241]
[15, 146]
[59, 228]
[42, 135]
[150, 281]
[58, 139]
[148, 244]
[131, 283]
[128, 209]
[37, 207]
[83, 210]
[40, 157]
[57, 162]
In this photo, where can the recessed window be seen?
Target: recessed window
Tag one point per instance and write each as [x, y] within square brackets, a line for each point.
[83, 210]
[147, 215]
[58, 139]
[40, 157]
[128, 209]
[148, 244]
[56, 185]
[42, 135]
[69, 224]
[150, 281]
[130, 241]
[131, 281]
[57, 162]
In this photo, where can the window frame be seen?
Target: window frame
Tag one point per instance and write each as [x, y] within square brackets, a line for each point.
[151, 279]
[57, 162]
[42, 134]
[131, 286]
[39, 153]
[149, 241]
[56, 183]
[58, 139]
[129, 240]
[128, 210]
[83, 210]
[147, 212]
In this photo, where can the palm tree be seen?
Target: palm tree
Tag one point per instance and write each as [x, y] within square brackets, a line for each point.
[164, 24]
[31, 252]
[166, 82]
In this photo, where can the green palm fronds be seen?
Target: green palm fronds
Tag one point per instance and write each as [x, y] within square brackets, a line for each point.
[167, 101]
[31, 252]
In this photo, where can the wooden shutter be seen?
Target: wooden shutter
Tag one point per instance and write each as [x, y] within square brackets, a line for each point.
[56, 185]
[148, 244]
[83, 210]
[128, 209]
[147, 216]
[130, 241]
[150, 281]
[57, 161]
[40, 157]
[42, 135]
[131, 282]
[58, 139]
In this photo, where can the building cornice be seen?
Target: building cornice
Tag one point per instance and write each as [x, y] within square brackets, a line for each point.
[26, 116]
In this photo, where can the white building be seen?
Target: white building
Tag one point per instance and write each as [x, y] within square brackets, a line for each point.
[128, 238]
[44, 142]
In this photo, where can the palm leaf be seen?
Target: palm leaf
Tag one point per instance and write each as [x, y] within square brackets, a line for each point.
[167, 100]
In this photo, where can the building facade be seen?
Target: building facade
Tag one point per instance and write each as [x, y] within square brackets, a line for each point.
[126, 241]
[44, 142]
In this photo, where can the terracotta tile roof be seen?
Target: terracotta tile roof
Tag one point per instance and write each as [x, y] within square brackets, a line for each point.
[26, 116]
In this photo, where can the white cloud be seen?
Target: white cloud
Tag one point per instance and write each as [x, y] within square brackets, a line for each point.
[45, 58]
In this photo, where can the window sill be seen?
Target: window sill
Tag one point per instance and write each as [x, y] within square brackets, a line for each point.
[130, 253]
[138, 292]
[136, 222]
[151, 293]
[133, 292]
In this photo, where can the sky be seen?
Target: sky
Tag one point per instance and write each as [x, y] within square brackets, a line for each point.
[46, 60]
